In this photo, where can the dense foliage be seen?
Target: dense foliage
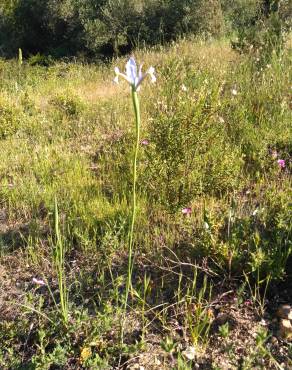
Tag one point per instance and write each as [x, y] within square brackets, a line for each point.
[105, 27]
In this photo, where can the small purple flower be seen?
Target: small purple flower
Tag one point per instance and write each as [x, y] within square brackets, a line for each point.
[145, 142]
[38, 281]
[281, 163]
[186, 211]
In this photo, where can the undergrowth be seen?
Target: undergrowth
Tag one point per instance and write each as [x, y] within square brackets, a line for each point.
[214, 128]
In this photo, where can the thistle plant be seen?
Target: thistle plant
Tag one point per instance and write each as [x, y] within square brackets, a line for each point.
[134, 78]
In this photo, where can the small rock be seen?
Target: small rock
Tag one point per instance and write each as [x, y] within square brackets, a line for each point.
[285, 312]
[285, 329]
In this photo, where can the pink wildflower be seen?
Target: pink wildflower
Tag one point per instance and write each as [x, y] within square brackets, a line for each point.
[38, 281]
[186, 211]
[145, 142]
[281, 163]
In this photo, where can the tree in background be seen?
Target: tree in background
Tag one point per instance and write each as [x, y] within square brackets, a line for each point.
[45, 26]
[103, 28]
[113, 25]
[206, 18]
[6, 22]
[263, 30]
[239, 14]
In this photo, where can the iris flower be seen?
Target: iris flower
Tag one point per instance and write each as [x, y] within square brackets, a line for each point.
[133, 76]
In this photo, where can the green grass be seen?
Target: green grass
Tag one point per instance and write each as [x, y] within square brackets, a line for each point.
[67, 132]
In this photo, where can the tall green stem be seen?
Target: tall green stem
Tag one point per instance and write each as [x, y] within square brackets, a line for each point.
[60, 268]
[134, 205]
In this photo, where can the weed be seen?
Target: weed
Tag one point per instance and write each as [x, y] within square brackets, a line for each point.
[59, 264]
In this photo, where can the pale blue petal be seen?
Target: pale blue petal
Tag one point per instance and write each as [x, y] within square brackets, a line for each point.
[131, 70]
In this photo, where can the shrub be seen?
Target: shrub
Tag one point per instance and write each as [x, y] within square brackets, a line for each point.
[189, 154]
[68, 104]
[263, 33]
[40, 60]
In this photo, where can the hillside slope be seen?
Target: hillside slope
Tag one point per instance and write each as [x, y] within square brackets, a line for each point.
[213, 235]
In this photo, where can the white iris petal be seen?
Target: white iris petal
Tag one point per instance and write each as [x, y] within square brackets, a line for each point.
[140, 71]
[131, 70]
[135, 79]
